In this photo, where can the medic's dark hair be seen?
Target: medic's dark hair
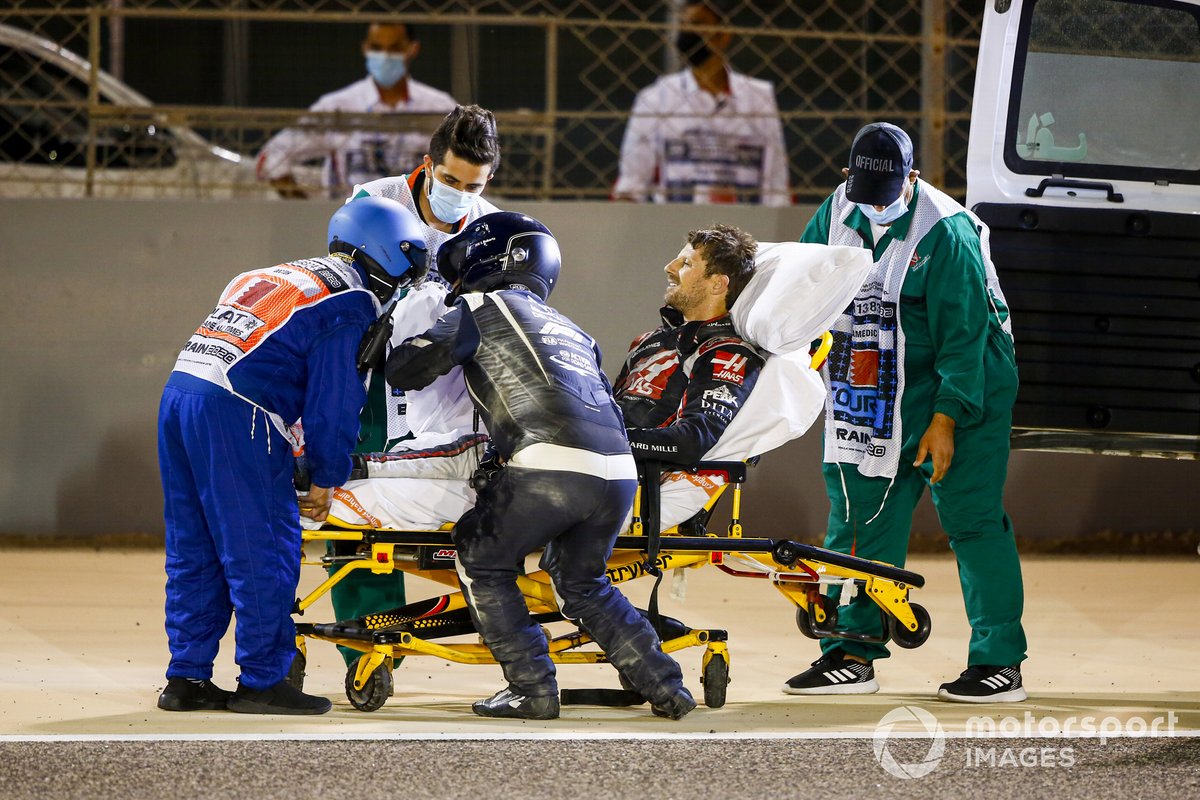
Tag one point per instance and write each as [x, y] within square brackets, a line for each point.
[409, 28]
[470, 132]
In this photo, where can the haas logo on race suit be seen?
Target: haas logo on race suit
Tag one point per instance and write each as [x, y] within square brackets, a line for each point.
[649, 377]
[729, 367]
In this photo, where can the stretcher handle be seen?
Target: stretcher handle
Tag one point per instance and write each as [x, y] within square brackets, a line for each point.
[784, 551]
[820, 350]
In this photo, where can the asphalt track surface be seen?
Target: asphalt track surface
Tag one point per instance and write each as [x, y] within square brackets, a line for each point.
[540, 768]
[82, 652]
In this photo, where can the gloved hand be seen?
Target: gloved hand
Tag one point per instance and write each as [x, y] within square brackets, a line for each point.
[489, 465]
[301, 477]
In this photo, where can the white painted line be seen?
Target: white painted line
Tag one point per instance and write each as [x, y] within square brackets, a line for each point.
[546, 736]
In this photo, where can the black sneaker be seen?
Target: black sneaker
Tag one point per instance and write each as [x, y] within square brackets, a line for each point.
[192, 694]
[833, 673]
[984, 684]
[677, 707]
[282, 698]
[507, 703]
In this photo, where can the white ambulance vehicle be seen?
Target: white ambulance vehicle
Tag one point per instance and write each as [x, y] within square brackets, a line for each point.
[1084, 160]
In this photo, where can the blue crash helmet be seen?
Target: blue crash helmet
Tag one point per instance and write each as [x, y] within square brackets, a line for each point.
[385, 239]
[501, 249]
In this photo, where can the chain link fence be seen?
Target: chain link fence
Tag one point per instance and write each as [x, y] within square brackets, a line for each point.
[561, 75]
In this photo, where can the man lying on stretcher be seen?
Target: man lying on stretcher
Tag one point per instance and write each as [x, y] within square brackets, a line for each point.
[683, 389]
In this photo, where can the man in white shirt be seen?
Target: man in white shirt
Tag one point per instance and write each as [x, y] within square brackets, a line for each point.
[706, 134]
[431, 432]
[443, 186]
[358, 156]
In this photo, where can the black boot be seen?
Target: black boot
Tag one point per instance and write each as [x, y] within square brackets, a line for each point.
[675, 707]
[282, 698]
[192, 694]
[509, 704]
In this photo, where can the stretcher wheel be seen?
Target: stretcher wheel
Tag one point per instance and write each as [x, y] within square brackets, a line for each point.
[804, 620]
[715, 680]
[907, 639]
[295, 676]
[375, 691]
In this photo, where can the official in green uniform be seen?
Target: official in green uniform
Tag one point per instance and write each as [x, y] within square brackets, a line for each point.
[921, 383]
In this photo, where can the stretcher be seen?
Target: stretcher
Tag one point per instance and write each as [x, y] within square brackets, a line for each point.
[797, 570]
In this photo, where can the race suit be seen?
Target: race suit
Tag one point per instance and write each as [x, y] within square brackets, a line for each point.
[279, 345]
[566, 483]
[928, 333]
[680, 387]
[355, 156]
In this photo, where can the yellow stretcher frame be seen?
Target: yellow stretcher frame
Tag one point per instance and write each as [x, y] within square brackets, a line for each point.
[797, 570]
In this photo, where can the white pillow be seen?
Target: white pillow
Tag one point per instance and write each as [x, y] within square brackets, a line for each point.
[786, 400]
[797, 292]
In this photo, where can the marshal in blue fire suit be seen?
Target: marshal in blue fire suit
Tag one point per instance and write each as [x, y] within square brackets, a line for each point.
[567, 482]
[279, 345]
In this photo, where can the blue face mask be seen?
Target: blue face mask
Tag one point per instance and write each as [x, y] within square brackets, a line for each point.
[889, 215]
[448, 204]
[386, 69]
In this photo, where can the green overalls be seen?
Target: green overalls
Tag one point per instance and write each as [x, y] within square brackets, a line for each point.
[958, 361]
[363, 592]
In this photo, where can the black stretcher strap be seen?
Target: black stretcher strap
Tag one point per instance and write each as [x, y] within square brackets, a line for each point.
[651, 475]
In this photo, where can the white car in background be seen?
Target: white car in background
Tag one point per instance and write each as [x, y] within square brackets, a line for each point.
[1084, 161]
[44, 133]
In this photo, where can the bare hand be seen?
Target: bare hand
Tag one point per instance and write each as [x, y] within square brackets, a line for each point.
[938, 442]
[315, 505]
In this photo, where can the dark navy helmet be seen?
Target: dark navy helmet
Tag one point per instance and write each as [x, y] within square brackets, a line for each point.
[385, 239]
[498, 250]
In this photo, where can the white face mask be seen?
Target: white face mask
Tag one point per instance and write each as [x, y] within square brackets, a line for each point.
[448, 204]
[889, 215]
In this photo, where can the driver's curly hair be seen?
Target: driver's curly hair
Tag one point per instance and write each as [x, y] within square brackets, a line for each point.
[727, 251]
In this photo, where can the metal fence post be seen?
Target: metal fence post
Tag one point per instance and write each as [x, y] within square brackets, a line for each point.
[933, 91]
[93, 102]
[551, 105]
[464, 49]
[116, 41]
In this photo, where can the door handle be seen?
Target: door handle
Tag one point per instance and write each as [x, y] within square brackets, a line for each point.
[1069, 183]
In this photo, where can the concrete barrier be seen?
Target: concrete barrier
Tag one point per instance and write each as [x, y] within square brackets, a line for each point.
[102, 294]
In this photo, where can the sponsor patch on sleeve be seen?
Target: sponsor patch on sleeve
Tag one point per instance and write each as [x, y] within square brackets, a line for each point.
[729, 367]
[722, 395]
[720, 403]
